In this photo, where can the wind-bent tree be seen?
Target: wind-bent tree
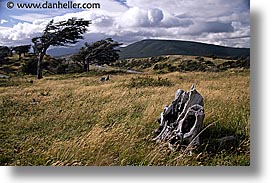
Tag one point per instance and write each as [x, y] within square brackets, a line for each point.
[4, 52]
[100, 53]
[80, 57]
[23, 49]
[60, 33]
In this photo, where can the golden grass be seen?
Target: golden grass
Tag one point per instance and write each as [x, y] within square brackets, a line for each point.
[82, 121]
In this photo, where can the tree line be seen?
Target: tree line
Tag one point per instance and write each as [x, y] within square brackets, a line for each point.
[65, 33]
[8, 51]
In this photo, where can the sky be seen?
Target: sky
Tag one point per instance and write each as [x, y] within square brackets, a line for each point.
[220, 22]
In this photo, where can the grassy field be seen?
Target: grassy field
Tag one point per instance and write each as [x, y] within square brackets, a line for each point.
[78, 120]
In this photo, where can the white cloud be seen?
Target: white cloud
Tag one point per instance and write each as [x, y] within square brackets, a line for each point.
[2, 28]
[2, 21]
[138, 17]
[20, 33]
[155, 16]
[211, 21]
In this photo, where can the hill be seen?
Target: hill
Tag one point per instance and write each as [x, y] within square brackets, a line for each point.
[151, 48]
[63, 51]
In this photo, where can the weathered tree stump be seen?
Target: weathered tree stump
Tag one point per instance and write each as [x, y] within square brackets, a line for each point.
[181, 121]
[107, 78]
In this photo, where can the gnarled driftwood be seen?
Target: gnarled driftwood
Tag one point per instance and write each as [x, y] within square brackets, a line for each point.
[181, 121]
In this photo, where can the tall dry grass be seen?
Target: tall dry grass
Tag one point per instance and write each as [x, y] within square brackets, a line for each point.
[81, 121]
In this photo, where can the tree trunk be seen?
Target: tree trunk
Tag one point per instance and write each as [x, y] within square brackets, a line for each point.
[87, 66]
[84, 66]
[39, 64]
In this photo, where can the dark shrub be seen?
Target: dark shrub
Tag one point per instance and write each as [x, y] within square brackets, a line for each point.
[74, 68]
[171, 68]
[209, 63]
[61, 68]
[227, 65]
[30, 66]
[139, 82]
[160, 66]
[243, 63]
[201, 59]
[192, 65]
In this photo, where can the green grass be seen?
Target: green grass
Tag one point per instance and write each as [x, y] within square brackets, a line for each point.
[138, 82]
[78, 120]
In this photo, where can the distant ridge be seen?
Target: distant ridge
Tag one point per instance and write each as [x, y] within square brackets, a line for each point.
[153, 47]
[62, 51]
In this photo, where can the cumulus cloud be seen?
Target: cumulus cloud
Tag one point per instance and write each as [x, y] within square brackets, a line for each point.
[138, 17]
[211, 21]
[134, 17]
[20, 33]
[174, 21]
[155, 16]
